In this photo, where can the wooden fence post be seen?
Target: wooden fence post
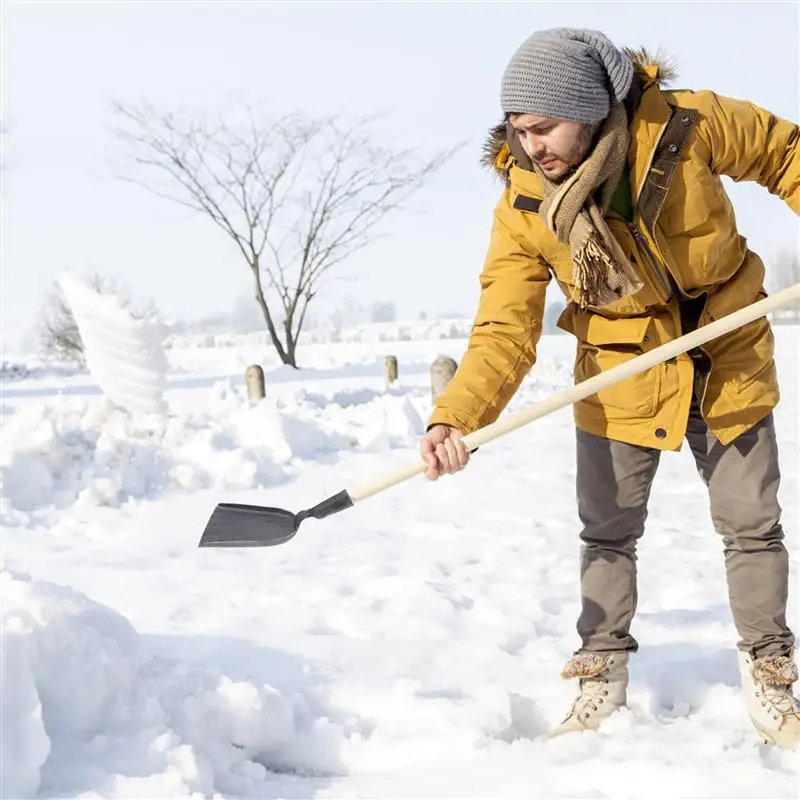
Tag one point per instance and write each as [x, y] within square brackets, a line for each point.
[391, 370]
[442, 371]
[254, 378]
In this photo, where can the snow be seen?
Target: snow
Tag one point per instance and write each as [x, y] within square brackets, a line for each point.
[124, 355]
[83, 452]
[407, 647]
[85, 690]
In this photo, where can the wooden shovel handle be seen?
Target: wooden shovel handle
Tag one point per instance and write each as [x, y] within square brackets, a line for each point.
[592, 385]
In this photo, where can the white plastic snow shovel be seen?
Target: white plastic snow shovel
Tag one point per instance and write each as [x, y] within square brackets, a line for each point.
[236, 525]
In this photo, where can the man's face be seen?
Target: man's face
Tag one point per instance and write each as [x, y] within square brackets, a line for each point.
[555, 145]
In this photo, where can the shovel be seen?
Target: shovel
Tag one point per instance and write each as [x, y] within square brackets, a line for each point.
[236, 525]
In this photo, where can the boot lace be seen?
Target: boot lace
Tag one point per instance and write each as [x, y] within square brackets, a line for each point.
[591, 695]
[779, 700]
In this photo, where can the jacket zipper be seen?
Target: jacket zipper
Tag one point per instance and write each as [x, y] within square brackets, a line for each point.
[652, 263]
[701, 399]
[638, 236]
[642, 242]
[649, 163]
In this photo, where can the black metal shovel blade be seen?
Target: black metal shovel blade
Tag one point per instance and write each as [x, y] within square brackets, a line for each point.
[234, 525]
[237, 525]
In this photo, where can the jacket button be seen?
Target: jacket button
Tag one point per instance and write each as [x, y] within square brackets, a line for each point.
[673, 148]
[660, 433]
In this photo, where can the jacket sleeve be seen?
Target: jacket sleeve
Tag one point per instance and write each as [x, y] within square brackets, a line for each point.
[505, 333]
[748, 143]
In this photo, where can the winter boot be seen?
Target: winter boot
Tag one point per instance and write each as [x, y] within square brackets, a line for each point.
[767, 687]
[603, 685]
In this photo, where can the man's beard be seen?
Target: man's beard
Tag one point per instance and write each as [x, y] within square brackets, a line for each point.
[580, 151]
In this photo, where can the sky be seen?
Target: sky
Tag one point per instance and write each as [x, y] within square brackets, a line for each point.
[433, 68]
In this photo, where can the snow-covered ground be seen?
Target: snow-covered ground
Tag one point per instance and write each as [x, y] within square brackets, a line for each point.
[408, 647]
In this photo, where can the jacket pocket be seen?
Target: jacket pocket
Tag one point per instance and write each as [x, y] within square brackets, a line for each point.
[605, 343]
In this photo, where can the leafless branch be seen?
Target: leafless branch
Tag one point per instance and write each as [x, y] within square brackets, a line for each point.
[297, 196]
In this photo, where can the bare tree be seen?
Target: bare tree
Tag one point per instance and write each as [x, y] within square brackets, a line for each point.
[297, 196]
[59, 336]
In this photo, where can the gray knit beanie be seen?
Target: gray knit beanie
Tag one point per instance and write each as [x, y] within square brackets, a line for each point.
[566, 73]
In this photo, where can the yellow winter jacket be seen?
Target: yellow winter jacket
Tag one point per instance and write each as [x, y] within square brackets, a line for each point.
[683, 240]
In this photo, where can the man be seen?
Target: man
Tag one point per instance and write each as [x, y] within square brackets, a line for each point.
[613, 187]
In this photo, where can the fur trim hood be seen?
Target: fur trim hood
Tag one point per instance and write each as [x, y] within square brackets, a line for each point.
[648, 69]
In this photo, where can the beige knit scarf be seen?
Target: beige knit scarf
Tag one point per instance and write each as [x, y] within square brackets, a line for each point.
[601, 272]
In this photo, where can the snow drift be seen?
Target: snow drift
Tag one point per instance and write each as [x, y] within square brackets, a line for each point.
[86, 708]
[87, 452]
[409, 649]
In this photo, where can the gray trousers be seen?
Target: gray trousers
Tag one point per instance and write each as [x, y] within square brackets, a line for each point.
[613, 485]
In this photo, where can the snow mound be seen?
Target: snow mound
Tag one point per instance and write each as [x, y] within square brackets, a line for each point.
[86, 452]
[87, 708]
